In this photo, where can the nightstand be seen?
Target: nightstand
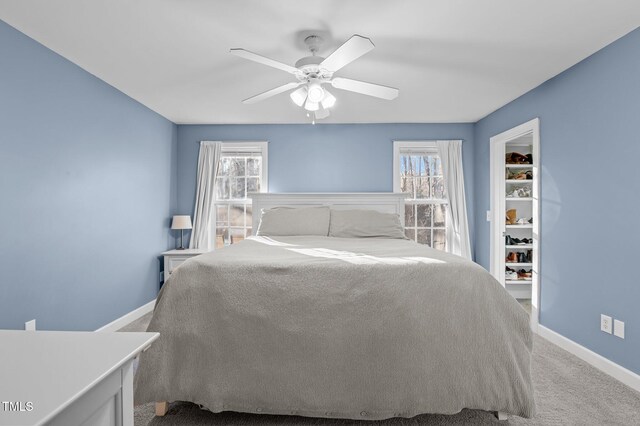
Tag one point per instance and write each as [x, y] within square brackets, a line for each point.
[174, 258]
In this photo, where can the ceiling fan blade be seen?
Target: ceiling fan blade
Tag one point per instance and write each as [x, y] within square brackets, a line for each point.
[263, 60]
[370, 89]
[272, 92]
[351, 50]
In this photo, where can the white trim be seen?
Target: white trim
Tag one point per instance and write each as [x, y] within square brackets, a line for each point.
[609, 367]
[386, 202]
[128, 318]
[497, 191]
[244, 146]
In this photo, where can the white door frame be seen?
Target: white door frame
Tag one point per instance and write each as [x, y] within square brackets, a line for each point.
[497, 195]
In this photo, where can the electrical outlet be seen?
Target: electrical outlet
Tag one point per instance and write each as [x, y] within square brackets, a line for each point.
[30, 325]
[605, 324]
[618, 328]
[488, 215]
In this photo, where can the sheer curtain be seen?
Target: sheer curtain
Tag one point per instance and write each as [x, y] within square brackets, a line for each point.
[458, 233]
[204, 215]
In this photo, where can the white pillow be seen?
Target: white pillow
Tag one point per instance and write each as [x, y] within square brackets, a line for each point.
[282, 221]
[365, 223]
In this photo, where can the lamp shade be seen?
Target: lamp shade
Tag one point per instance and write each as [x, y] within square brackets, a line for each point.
[299, 96]
[311, 106]
[181, 222]
[329, 100]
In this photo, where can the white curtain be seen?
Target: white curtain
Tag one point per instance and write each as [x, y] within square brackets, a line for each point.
[204, 215]
[458, 233]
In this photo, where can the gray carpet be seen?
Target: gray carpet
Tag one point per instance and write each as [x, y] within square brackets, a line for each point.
[568, 391]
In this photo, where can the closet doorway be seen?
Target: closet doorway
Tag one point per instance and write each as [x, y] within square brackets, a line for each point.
[515, 212]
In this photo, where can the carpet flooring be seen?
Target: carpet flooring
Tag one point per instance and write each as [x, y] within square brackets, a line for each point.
[568, 391]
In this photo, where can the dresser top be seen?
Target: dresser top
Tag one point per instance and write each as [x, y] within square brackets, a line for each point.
[52, 369]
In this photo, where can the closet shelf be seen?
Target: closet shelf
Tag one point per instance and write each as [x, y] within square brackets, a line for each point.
[519, 198]
[522, 246]
[519, 180]
[518, 264]
[519, 226]
[518, 282]
[519, 166]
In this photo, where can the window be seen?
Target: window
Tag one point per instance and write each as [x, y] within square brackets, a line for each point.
[241, 171]
[417, 170]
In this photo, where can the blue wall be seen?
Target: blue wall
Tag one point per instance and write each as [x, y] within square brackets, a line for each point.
[590, 151]
[87, 177]
[321, 157]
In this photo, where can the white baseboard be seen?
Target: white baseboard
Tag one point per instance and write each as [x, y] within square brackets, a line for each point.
[118, 323]
[614, 370]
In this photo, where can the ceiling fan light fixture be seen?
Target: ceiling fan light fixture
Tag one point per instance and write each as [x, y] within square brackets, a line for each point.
[329, 100]
[321, 113]
[313, 73]
[311, 106]
[315, 92]
[299, 96]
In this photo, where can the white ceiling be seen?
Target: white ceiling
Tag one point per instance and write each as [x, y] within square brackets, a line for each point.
[453, 60]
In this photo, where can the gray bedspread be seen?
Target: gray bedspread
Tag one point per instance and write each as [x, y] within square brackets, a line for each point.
[337, 327]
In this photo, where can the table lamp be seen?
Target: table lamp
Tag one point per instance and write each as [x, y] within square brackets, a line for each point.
[181, 222]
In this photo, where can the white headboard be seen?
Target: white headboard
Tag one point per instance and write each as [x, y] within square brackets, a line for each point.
[385, 202]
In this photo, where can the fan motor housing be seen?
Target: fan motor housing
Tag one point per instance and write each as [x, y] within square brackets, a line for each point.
[309, 62]
[309, 66]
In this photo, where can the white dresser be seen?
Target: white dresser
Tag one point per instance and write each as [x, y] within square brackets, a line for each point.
[68, 378]
[174, 258]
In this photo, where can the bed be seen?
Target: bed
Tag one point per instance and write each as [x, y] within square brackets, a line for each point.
[357, 328]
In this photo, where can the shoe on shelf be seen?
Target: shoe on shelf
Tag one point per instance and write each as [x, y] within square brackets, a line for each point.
[510, 274]
[529, 256]
[513, 194]
[512, 257]
[525, 257]
[518, 175]
[516, 158]
[519, 242]
[519, 193]
[512, 241]
[530, 220]
[511, 217]
[524, 275]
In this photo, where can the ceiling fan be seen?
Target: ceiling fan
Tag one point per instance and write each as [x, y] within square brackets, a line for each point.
[313, 72]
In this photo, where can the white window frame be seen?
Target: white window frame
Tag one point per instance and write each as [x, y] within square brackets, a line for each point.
[419, 146]
[246, 147]
[252, 146]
